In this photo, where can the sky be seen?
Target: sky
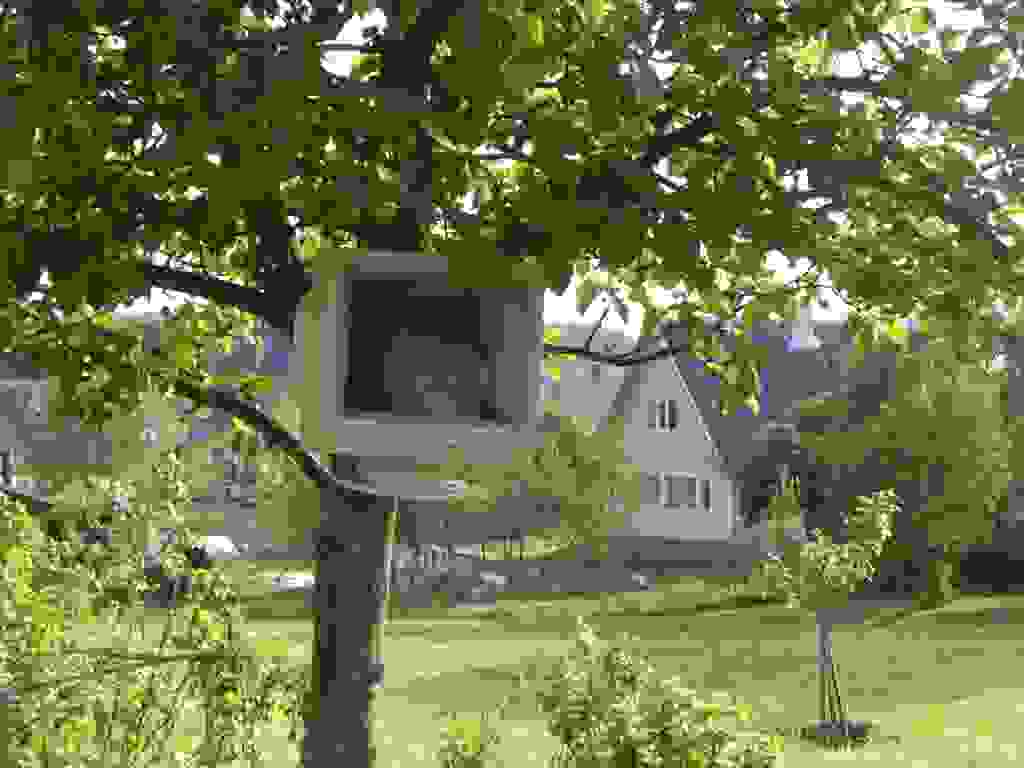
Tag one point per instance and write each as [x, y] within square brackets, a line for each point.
[562, 309]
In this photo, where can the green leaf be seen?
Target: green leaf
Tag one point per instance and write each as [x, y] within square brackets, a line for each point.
[596, 10]
[19, 173]
[183, 353]
[1006, 109]
[255, 23]
[922, 20]
[535, 30]
[586, 292]
[240, 426]
[310, 248]
[896, 331]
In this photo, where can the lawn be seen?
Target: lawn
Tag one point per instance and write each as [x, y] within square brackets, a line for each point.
[947, 684]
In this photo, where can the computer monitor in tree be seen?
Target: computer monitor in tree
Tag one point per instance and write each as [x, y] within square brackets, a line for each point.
[397, 362]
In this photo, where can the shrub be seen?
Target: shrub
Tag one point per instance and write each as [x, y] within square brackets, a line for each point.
[68, 705]
[467, 741]
[991, 568]
[608, 709]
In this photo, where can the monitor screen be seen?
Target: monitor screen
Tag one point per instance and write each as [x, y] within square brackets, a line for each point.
[415, 351]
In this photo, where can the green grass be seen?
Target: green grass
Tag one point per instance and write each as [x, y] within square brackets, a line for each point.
[947, 683]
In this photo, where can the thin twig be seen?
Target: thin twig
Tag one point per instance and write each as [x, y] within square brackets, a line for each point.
[590, 338]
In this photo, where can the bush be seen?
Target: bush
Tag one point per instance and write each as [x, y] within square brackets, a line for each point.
[608, 709]
[63, 704]
[990, 568]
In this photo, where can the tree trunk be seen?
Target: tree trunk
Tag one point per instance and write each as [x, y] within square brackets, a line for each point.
[349, 607]
[910, 545]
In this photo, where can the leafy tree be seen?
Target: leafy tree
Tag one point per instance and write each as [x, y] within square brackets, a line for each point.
[818, 576]
[947, 416]
[583, 470]
[217, 138]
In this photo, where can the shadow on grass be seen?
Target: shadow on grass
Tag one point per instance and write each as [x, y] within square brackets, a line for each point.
[277, 606]
[523, 611]
[952, 615]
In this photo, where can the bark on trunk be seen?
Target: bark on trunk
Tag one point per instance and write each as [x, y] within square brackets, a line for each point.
[349, 604]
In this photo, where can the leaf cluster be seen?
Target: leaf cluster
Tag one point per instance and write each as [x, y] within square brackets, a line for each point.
[820, 573]
[947, 408]
[583, 471]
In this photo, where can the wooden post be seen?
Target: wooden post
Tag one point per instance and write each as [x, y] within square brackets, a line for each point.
[828, 707]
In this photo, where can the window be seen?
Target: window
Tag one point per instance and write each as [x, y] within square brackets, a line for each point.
[681, 491]
[706, 495]
[595, 372]
[663, 414]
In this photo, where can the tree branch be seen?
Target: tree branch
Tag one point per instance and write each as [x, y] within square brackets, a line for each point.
[277, 310]
[660, 147]
[335, 46]
[390, 99]
[432, 22]
[590, 338]
[276, 435]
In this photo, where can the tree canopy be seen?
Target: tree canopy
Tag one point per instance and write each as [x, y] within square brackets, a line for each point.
[138, 140]
[206, 149]
[948, 411]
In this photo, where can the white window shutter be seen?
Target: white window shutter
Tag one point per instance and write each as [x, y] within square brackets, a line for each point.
[37, 398]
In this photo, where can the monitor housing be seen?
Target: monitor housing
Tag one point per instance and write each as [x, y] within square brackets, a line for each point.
[409, 364]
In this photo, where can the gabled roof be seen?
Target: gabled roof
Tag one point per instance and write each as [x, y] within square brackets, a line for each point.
[595, 408]
[635, 375]
[788, 377]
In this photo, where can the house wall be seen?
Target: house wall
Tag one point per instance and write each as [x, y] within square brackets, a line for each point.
[685, 450]
[585, 389]
[37, 440]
